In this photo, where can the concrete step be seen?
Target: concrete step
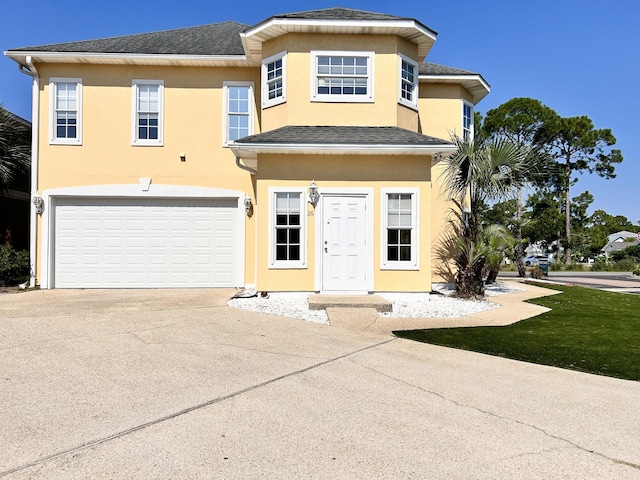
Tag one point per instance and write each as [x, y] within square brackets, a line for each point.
[322, 302]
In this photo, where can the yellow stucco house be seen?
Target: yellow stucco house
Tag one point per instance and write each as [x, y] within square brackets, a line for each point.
[299, 154]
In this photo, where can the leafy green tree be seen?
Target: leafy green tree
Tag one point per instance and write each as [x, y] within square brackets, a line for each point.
[520, 121]
[15, 149]
[545, 219]
[578, 146]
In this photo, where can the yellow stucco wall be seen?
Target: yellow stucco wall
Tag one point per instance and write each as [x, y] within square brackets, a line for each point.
[299, 109]
[193, 113]
[348, 172]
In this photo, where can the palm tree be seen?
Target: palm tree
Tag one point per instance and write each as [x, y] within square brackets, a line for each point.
[15, 147]
[474, 175]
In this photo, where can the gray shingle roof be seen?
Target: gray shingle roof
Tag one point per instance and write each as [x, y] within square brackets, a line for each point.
[214, 39]
[427, 68]
[341, 135]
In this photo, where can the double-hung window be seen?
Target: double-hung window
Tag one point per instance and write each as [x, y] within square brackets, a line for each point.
[288, 224]
[65, 122]
[342, 76]
[147, 121]
[238, 111]
[274, 88]
[467, 121]
[408, 82]
[400, 229]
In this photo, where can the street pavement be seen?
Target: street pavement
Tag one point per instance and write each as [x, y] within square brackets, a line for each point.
[168, 384]
[622, 282]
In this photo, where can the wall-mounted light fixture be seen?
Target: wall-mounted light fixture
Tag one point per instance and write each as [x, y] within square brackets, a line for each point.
[248, 206]
[183, 157]
[314, 196]
[39, 204]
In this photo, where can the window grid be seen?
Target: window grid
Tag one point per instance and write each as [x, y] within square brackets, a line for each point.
[66, 110]
[288, 227]
[342, 75]
[467, 122]
[238, 112]
[408, 81]
[274, 79]
[399, 227]
[148, 112]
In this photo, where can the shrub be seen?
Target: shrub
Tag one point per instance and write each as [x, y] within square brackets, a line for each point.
[14, 266]
[625, 265]
[537, 273]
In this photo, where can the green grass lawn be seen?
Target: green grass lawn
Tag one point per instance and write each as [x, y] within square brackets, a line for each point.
[587, 330]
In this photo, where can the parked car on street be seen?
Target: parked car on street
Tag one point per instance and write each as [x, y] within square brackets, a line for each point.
[532, 260]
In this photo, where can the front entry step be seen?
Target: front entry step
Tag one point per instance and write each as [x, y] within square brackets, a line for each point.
[322, 302]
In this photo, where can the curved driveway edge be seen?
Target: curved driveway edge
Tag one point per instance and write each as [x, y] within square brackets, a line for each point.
[175, 384]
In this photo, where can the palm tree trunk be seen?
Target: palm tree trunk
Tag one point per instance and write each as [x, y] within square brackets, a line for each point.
[519, 251]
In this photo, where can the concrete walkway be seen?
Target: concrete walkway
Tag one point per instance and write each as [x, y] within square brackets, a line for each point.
[512, 309]
[168, 384]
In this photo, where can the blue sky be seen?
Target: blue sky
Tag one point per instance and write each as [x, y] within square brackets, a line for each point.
[580, 57]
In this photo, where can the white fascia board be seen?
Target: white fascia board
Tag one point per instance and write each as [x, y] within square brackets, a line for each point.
[456, 79]
[245, 150]
[91, 57]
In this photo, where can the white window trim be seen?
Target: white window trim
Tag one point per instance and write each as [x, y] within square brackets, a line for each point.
[266, 102]
[369, 98]
[225, 106]
[135, 141]
[287, 264]
[414, 91]
[414, 264]
[472, 127]
[53, 139]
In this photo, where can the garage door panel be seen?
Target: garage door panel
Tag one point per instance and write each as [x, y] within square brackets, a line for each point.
[132, 243]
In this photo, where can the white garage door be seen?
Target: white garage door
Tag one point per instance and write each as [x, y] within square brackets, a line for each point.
[145, 243]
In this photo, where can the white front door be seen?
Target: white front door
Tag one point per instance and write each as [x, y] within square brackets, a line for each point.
[344, 252]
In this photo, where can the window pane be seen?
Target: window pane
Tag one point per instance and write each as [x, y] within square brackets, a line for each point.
[392, 254]
[281, 219]
[281, 235]
[281, 252]
[405, 254]
[294, 252]
[405, 237]
[294, 235]
[294, 219]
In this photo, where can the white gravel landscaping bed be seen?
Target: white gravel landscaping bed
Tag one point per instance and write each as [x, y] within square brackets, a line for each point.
[296, 305]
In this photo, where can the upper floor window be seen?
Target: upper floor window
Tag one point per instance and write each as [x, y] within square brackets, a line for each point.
[238, 110]
[342, 76]
[467, 121]
[65, 117]
[274, 89]
[408, 82]
[400, 229]
[288, 224]
[147, 112]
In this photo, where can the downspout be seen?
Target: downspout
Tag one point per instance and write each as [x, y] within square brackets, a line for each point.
[35, 131]
[255, 229]
[244, 167]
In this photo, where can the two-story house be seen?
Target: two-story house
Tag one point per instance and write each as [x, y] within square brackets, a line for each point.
[299, 154]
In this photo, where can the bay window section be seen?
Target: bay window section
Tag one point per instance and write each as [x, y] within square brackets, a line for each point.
[342, 76]
[467, 121]
[400, 232]
[408, 82]
[274, 89]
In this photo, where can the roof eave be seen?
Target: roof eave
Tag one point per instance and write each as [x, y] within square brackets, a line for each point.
[474, 83]
[245, 150]
[127, 58]
[412, 30]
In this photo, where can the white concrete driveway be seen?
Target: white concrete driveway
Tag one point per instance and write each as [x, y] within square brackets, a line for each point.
[175, 384]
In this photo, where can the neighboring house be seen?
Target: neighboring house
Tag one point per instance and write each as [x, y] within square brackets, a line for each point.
[299, 154]
[619, 241]
[14, 203]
